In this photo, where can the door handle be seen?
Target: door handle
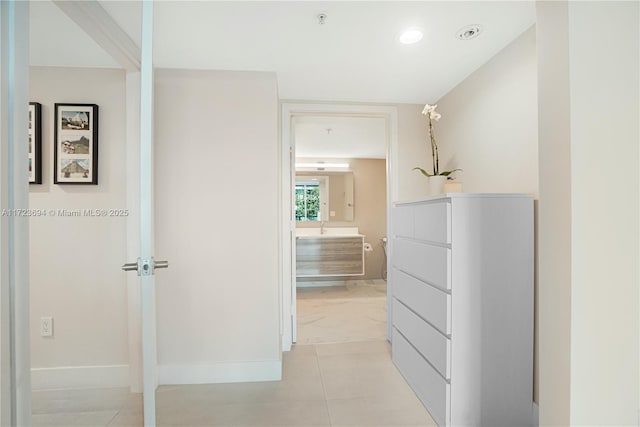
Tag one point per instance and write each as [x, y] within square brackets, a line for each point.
[161, 264]
[145, 267]
[131, 266]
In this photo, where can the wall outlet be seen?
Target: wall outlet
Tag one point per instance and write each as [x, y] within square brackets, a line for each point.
[46, 326]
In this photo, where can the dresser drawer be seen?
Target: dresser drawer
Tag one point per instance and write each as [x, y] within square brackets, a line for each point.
[403, 221]
[428, 385]
[434, 346]
[424, 261]
[434, 305]
[432, 222]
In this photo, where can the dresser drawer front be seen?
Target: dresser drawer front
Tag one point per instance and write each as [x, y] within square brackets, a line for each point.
[434, 346]
[426, 262]
[432, 222]
[428, 385]
[434, 305]
[403, 218]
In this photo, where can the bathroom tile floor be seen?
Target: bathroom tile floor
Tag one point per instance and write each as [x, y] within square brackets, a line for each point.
[351, 382]
[355, 312]
[346, 384]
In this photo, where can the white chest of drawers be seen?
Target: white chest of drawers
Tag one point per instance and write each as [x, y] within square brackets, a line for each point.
[462, 306]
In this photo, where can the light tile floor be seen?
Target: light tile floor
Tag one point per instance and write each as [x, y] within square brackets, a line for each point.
[347, 384]
[355, 312]
[342, 384]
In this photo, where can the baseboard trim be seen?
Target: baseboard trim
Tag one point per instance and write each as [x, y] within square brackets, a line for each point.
[231, 372]
[320, 283]
[80, 377]
[66, 377]
[344, 282]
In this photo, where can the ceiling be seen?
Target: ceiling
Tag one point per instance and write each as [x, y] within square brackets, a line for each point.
[354, 57]
[340, 137]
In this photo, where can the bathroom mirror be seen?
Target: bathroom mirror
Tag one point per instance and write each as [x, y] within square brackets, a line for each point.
[324, 196]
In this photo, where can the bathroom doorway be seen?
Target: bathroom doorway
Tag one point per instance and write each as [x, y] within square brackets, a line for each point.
[347, 149]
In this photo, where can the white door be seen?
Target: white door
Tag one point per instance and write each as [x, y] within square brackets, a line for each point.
[146, 265]
[15, 381]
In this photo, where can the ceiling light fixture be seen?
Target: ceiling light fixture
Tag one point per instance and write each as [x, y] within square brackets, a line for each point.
[469, 32]
[323, 165]
[411, 36]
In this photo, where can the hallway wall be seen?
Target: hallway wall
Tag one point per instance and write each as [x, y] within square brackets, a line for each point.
[75, 261]
[217, 210]
[489, 124]
[411, 152]
[589, 56]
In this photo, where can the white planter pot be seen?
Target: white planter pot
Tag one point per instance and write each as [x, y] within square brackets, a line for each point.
[435, 184]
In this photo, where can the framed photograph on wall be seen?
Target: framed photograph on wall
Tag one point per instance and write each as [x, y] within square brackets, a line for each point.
[75, 155]
[35, 143]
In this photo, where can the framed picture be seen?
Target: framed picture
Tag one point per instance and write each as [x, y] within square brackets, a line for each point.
[35, 143]
[75, 155]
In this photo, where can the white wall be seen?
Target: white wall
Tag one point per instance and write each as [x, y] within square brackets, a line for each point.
[604, 47]
[412, 151]
[489, 125]
[75, 262]
[488, 128]
[554, 223]
[216, 204]
[589, 109]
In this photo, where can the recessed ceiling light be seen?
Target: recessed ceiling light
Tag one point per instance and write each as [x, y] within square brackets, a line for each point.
[469, 32]
[411, 36]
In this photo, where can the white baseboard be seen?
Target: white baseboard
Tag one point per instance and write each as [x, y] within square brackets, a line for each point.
[314, 284]
[80, 377]
[66, 377]
[536, 415]
[232, 372]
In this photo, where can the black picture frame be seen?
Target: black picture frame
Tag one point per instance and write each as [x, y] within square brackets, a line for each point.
[35, 143]
[75, 153]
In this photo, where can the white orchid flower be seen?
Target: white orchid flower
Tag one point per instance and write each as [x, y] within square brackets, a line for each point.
[428, 109]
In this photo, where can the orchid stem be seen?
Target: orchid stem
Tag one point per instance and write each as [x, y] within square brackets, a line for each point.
[434, 149]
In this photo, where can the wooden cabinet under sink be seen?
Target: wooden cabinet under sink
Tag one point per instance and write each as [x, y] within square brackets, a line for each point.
[326, 256]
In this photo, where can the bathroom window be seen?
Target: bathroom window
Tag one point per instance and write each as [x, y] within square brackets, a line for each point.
[308, 201]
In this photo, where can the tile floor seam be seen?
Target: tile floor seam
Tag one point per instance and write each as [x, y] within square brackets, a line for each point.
[114, 417]
[324, 391]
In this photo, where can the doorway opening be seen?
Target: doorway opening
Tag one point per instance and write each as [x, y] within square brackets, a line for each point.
[338, 192]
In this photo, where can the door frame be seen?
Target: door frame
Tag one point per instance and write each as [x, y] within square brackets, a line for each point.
[288, 112]
[15, 344]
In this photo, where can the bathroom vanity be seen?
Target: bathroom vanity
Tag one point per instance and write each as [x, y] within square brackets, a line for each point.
[462, 306]
[329, 252]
